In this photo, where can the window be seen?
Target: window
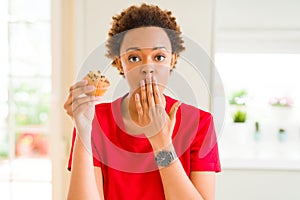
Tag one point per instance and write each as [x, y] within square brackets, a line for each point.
[25, 165]
[258, 56]
[266, 88]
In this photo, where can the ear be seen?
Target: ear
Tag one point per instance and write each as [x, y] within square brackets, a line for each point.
[173, 60]
[119, 64]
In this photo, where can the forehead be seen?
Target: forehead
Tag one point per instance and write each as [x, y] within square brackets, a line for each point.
[145, 37]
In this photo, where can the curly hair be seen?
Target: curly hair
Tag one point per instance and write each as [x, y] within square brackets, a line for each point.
[142, 16]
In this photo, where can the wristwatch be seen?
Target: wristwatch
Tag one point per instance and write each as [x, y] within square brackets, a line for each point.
[164, 158]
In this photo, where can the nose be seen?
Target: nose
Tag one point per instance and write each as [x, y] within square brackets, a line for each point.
[148, 69]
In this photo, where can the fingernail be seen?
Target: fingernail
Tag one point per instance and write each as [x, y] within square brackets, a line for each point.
[142, 83]
[148, 78]
[136, 97]
[84, 81]
[154, 79]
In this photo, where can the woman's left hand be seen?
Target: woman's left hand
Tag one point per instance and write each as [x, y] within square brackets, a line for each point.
[157, 124]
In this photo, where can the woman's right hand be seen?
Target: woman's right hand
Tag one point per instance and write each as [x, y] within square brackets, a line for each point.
[79, 107]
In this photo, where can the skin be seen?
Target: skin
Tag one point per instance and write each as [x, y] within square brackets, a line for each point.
[146, 64]
[146, 60]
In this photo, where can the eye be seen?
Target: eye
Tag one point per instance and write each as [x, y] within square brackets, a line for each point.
[160, 58]
[133, 59]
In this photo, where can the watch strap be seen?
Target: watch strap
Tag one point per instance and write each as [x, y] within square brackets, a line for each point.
[166, 156]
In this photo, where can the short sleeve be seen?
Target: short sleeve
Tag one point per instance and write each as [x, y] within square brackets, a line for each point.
[96, 161]
[204, 148]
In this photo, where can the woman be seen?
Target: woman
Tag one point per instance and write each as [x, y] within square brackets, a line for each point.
[179, 137]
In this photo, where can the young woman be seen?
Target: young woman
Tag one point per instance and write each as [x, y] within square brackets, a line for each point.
[178, 140]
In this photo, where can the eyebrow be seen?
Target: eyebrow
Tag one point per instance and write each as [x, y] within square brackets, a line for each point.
[139, 49]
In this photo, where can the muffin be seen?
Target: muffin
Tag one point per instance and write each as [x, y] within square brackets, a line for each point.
[100, 82]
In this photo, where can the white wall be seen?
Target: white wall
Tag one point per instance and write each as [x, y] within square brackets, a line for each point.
[258, 26]
[63, 76]
[258, 185]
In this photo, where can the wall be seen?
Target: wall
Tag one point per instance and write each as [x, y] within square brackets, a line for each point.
[63, 76]
[258, 185]
[258, 26]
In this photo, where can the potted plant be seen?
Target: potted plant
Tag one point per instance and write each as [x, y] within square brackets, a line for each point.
[238, 100]
[238, 97]
[281, 109]
[239, 116]
[240, 130]
[282, 135]
[281, 102]
[257, 133]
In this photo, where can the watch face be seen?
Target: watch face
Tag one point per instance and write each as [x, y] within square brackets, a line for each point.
[164, 158]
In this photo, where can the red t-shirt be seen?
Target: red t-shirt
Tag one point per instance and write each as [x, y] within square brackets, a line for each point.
[127, 162]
